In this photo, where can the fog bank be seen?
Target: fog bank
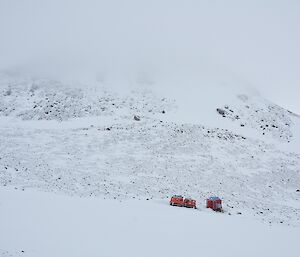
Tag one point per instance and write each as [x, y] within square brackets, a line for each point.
[255, 43]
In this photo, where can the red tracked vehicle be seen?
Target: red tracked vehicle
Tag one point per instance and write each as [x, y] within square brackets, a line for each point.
[178, 200]
[189, 203]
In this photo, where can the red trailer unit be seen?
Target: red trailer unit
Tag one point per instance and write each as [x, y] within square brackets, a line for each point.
[214, 203]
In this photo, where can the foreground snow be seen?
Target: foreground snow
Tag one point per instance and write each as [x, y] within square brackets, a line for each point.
[44, 224]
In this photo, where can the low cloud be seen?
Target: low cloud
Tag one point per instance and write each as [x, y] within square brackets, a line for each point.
[154, 40]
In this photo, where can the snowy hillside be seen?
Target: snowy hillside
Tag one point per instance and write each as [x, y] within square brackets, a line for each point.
[91, 141]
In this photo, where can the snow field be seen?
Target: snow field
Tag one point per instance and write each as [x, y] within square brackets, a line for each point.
[44, 224]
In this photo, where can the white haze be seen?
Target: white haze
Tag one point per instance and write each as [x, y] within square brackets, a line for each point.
[255, 42]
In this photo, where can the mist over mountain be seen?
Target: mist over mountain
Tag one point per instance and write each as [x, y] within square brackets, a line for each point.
[254, 41]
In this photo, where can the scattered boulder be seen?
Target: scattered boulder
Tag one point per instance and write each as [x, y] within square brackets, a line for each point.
[221, 111]
[8, 92]
[298, 190]
[136, 117]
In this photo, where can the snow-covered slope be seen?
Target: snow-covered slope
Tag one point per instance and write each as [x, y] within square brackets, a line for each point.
[147, 142]
[84, 140]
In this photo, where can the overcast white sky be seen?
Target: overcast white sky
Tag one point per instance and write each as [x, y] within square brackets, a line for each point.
[257, 40]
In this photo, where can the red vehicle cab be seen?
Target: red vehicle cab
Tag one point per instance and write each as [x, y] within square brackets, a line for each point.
[176, 200]
[189, 203]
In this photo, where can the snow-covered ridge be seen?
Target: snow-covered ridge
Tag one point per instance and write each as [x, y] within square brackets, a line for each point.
[268, 118]
[43, 99]
[52, 100]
